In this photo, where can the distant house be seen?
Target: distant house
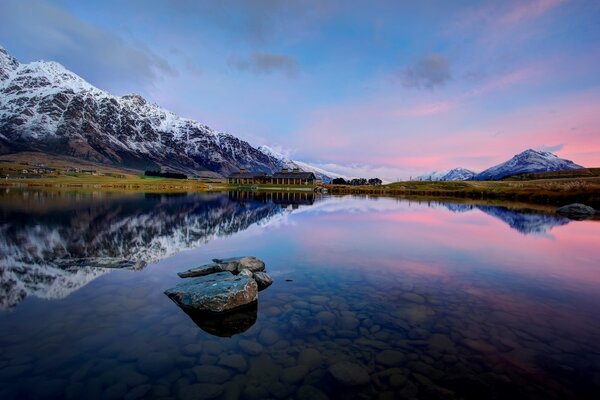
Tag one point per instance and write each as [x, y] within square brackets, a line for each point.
[284, 177]
[294, 177]
[245, 177]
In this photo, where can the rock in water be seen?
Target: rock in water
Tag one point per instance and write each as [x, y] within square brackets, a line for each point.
[246, 272]
[263, 280]
[214, 293]
[576, 210]
[202, 270]
[237, 264]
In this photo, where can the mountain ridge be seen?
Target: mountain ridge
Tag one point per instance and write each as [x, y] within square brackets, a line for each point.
[45, 107]
[527, 161]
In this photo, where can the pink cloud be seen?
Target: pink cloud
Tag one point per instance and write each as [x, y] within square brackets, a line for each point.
[525, 10]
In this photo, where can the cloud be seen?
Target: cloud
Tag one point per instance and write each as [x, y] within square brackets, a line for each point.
[430, 71]
[552, 149]
[38, 29]
[267, 63]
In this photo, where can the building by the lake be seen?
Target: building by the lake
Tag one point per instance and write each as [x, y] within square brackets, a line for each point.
[283, 177]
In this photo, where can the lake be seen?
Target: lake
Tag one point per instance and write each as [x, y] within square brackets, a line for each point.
[372, 298]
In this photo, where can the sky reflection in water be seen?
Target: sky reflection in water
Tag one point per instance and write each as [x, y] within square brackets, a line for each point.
[432, 300]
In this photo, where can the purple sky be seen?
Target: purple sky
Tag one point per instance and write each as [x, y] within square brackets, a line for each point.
[389, 89]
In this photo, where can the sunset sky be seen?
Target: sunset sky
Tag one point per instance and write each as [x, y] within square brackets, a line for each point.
[389, 89]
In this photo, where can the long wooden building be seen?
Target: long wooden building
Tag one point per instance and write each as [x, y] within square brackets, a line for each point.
[284, 177]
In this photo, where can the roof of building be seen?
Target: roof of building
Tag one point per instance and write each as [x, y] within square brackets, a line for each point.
[294, 175]
[248, 175]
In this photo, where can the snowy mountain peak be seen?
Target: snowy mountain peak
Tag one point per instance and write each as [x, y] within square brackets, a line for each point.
[455, 174]
[7, 64]
[528, 161]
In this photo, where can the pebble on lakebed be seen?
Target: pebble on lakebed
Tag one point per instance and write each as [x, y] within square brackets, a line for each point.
[221, 286]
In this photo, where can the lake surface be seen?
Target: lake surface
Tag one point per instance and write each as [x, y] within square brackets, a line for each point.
[428, 300]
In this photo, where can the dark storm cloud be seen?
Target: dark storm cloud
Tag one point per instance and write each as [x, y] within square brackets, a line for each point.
[267, 63]
[429, 72]
[39, 29]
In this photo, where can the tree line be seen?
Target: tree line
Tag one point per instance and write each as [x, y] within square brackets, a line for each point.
[357, 181]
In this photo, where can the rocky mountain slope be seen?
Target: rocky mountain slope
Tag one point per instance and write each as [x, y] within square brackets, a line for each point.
[44, 107]
[525, 162]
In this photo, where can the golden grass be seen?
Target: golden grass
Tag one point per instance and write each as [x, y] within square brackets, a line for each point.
[540, 191]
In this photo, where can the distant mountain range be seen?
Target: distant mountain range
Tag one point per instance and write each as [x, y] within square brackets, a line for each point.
[45, 107]
[455, 174]
[529, 161]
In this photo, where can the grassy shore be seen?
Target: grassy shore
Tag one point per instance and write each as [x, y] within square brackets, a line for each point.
[539, 191]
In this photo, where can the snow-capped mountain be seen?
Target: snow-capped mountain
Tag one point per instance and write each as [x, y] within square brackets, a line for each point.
[527, 162]
[455, 174]
[45, 107]
[286, 162]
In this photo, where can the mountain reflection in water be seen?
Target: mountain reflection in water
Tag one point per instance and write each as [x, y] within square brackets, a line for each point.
[71, 239]
[405, 299]
[53, 243]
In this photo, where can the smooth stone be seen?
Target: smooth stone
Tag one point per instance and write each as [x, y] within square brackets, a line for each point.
[309, 357]
[398, 380]
[308, 392]
[413, 297]
[255, 393]
[202, 270]
[263, 280]
[576, 210]
[349, 374]
[116, 391]
[234, 361]
[250, 347]
[192, 349]
[200, 391]
[214, 293]
[138, 392]
[294, 375]
[390, 358]
[268, 336]
[211, 374]
[155, 363]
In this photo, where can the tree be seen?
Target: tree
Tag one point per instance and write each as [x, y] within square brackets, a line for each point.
[375, 181]
[339, 181]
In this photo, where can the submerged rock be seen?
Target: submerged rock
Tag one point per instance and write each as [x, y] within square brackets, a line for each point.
[349, 374]
[214, 293]
[263, 280]
[576, 210]
[226, 324]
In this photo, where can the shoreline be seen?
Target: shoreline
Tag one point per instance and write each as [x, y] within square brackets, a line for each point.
[551, 192]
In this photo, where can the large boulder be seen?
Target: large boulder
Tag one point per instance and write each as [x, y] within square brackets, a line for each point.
[215, 293]
[576, 210]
